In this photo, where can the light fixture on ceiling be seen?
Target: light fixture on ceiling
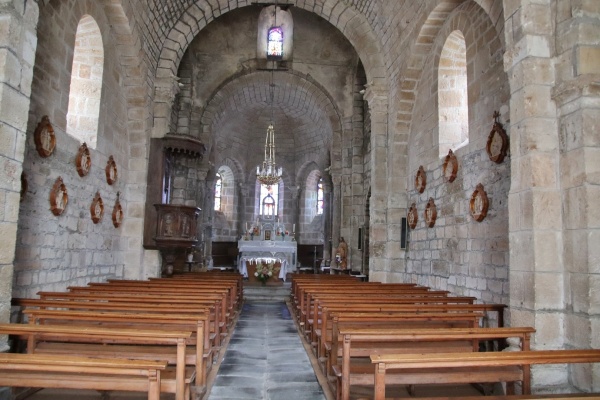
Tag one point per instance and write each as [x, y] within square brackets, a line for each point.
[269, 174]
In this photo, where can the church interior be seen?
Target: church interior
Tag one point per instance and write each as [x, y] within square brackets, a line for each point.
[446, 144]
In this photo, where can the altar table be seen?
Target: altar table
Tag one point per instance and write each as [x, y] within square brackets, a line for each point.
[285, 252]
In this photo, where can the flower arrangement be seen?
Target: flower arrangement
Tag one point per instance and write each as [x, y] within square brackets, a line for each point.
[265, 272]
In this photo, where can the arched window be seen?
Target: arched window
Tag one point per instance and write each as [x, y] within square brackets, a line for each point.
[218, 191]
[320, 197]
[453, 102]
[86, 82]
[269, 196]
[275, 42]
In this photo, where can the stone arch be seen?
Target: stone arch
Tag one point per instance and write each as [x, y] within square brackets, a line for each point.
[453, 100]
[293, 88]
[425, 45]
[86, 82]
[195, 17]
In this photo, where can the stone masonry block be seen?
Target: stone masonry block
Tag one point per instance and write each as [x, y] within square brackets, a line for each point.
[587, 60]
[549, 330]
[549, 289]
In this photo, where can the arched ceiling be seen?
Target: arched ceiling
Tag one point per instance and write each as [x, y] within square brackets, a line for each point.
[230, 93]
[300, 111]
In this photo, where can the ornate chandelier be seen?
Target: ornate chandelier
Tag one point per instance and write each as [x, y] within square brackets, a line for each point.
[269, 174]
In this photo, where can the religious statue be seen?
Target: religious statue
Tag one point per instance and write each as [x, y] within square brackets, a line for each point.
[341, 254]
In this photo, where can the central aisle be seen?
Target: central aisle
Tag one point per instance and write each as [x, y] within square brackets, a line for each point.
[265, 358]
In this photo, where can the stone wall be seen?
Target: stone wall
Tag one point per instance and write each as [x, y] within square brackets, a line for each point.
[17, 50]
[53, 252]
[459, 254]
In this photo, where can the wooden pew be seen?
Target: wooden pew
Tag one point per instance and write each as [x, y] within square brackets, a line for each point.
[384, 321]
[211, 339]
[167, 346]
[199, 355]
[322, 331]
[360, 343]
[482, 367]
[67, 372]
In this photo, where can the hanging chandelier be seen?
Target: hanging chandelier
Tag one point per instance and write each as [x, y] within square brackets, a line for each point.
[269, 174]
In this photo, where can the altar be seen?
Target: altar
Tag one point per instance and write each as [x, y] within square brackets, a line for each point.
[284, 252]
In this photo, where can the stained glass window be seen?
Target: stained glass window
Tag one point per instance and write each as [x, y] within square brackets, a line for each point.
[269, 196]
[320, 197]
[275, 42]
[218, 191]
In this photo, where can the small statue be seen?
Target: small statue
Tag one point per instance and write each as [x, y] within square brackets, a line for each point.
[341, 254]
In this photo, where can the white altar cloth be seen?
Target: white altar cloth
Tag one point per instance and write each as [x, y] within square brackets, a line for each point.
[243, 266]
[285, 252]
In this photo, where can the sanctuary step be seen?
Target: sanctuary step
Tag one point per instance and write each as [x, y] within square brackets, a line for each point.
[268, 293]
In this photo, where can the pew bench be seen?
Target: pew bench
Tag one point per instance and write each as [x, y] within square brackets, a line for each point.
[165, 347]
[506, 367]
[67, 372]
[199, 354]
[358, 344]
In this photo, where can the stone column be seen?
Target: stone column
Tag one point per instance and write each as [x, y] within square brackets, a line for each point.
[242, 195]
[18, 21]
[536, 278]
[377, 100]
[296, 192]
[336, 211]
[327, 206]
[577, 98]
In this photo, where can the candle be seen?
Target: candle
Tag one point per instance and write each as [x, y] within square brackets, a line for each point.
[294, 228]
[246, 226]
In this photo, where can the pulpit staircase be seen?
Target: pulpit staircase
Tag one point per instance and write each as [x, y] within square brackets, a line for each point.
[268, 293]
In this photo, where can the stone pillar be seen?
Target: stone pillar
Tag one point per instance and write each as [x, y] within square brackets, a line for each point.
[242, 195]
[18, 21]
[377, 100]
[327, 206]
[336, 211]
[296, 192]
[536, 278]
[577, 96]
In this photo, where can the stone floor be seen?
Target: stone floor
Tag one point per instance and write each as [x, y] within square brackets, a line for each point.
[265, 358]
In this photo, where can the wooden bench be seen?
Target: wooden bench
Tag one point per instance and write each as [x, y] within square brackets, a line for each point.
[358, 343]
[199, 354]
[151, 345]
[469, 367]
[67, 372]
[386, 321]
[322, 332]
[130, 307]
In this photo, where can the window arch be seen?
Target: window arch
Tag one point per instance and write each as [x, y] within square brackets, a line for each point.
[86, 82]
[218, 191]
[320, 197]
[269, 199]
[453, 102]
[275, 42]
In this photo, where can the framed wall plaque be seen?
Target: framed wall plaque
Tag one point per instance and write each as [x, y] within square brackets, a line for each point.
[420, 180]
[44, 137]
[58, 197]
[83, 161]
[450, 166]
[111, 171]
[497, 143]
[413, 216]
[117, 214]
[430, 213]
[479, 203]
[97, 208]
